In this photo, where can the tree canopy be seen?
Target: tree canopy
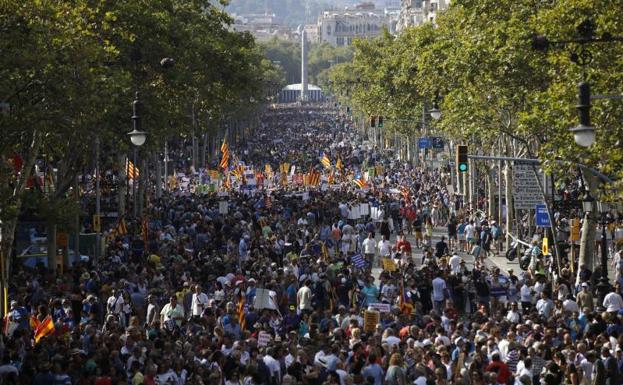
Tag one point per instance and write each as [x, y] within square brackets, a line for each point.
[478, 63]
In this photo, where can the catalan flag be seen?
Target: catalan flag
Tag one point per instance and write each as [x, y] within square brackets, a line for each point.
[131, 170]
[238, 172]
[325, 251]
[225, 154]
[326, 162]
[339, 164]
[330, 179]
[240, 311]
[284, 168]
[44, 329]
[227, 182]
[144, 229]
[312, 178]
[268, 170]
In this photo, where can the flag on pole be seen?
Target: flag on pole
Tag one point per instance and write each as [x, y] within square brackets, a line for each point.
[359, 181]
[240, 311]
[144, 229]
[325, 251]
[326, 162]
[225, 154]
[44, 329]
[131, 170]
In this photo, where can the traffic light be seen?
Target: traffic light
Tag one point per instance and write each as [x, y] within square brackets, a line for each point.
[380, 122]
[372, 121]
[461, 158]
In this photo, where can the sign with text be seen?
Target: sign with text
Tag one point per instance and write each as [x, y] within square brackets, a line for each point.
[542, 216]
[381, 307]
[371, 318]
[526, 191]
[424, 143]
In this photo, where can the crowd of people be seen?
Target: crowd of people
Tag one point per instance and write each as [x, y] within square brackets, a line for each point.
[300, 285]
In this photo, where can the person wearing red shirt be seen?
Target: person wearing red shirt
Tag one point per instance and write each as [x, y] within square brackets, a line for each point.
[499, 367]
[402, 242]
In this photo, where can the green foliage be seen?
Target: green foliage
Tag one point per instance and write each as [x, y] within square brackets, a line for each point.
[491, 84]
[287, 55]
[69, 71]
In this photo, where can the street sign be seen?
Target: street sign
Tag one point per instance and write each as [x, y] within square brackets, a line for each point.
[542, 217]
[437, 142]
[424, 142]
[526, 190]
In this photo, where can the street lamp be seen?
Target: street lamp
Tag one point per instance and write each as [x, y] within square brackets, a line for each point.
[137, 137]
[588, 204]
[434, 112]
[584, 133]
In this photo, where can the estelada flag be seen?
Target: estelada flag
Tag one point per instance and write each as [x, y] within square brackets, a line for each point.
[44, 329]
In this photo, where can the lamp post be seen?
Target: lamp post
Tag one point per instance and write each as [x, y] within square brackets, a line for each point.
[137, 137]
[603, 287]
[588, 205]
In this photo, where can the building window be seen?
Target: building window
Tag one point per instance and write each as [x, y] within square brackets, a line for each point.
[329, 30]
[340, 41]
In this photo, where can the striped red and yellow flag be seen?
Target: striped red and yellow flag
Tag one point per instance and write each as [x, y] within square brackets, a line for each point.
[145, 229]
[314, 179]
[44, 329]
[241, 315]
[238, 172]
[225, 157]
[326, 162]
[339, 165]
[226, 182]
[360, 182]
[131, 170]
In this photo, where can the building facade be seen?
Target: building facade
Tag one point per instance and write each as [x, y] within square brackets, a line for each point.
[416, 12]
[340, 28]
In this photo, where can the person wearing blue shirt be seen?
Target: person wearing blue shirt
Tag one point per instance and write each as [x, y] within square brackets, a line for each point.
[370, 292]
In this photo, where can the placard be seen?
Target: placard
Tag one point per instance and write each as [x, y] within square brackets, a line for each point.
[371, 318]
[389, 264]
[381, 307]
[263, 338]
[223, 207]
[364, 209]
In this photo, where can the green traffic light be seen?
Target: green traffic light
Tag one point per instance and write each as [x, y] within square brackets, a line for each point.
[462, 167]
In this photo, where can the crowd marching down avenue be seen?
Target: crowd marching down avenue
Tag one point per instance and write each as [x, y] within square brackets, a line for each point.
[306, 253]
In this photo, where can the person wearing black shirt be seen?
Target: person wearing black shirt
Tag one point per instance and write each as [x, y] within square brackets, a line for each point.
[441, 248]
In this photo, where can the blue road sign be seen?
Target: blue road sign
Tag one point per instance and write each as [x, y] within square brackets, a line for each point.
[542, 217]
[424, 142]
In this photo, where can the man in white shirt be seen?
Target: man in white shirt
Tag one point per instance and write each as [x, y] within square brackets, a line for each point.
[439, 293]
[385, 248]
[199, 302]
[513, 315]
[369, 249]
[115, 302]
[273, 365]
[304, 297]
[455, 263]
[613, 302]
[470, 233]
[172, 311]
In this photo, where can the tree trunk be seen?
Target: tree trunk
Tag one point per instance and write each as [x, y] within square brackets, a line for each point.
[490, 194]
[204, 149]
[51, 234]
[158, 175]
[143, 176]
[508, 179]
[77, 223]
[122, 184]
